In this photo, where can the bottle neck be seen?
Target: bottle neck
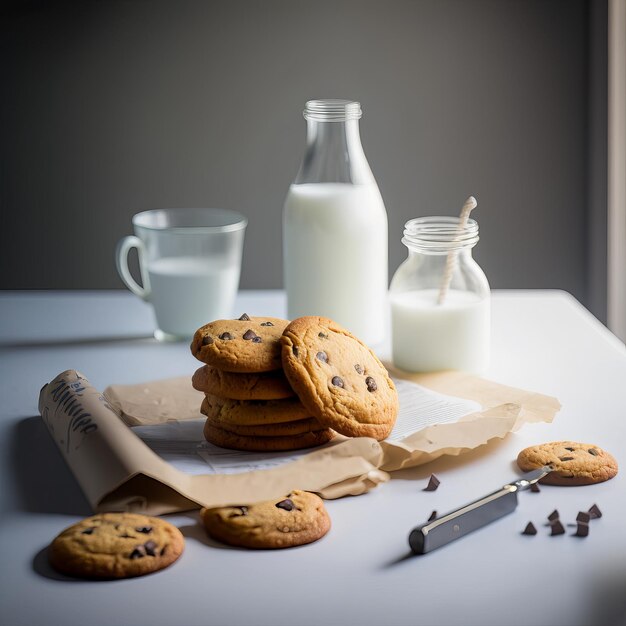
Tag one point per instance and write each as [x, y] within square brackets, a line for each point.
[334, 153]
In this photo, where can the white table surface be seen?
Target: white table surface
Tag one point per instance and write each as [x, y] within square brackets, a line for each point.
[358, 574]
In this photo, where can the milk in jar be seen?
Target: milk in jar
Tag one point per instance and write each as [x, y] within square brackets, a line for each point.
[429, 334]
[335, 227]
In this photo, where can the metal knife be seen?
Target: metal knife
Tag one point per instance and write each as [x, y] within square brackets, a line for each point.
[472, 516]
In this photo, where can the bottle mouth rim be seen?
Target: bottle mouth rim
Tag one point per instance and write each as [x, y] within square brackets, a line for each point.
[332, 110]
[440, 234]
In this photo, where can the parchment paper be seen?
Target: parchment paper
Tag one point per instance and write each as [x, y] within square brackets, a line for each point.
[118, 471]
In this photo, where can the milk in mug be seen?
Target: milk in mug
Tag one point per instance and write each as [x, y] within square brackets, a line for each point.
[187, 292]
[429, 337]
[335, 255]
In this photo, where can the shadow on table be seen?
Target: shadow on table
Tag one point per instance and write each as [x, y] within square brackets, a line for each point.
[445, 463]
[83, 341]
[44, 483]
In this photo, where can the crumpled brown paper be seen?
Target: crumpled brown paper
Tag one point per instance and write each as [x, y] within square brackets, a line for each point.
[118, 471]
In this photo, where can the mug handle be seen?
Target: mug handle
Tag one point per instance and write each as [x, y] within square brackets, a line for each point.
[121, 260]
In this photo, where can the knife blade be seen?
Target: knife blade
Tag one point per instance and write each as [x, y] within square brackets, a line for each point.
[464, 520]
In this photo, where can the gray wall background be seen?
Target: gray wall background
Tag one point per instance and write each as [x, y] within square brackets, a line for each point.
[109, 108]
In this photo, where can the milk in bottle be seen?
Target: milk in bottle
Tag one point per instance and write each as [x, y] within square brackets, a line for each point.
[335, 227]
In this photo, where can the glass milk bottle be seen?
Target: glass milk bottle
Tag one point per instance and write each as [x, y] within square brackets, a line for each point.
[335, 227]
[433, 328]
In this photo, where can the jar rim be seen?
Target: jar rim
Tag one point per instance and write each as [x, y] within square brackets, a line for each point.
[332, 110]
[440, 234]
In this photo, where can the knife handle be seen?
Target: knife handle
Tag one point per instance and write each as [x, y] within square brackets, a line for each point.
[459, 523]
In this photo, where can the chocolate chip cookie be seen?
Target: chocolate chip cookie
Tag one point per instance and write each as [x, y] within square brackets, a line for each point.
[573, 463]
[248, 344]
[298, 518]
[226, 439]
[238, 386]
[338, 378]
[253, 412]
[310, 424]
[116, 545]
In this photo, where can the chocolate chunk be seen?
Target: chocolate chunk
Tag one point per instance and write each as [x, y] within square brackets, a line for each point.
[88, 531]
[371, 384]
[358, 368]
[256, 339]
[226, 336]
[286, 504]
[144, 529]
[570, 449]
[249, 334]
[243, 510]
[322, 336]
[267, 324]
[535, 488]
[150, 546]
[582, 530]
[138, 553]
[556, 528]
[553, 516]
[338, 382]
[433, 483]
[593, 452]
[530, 529]
[207, 340]
[433, 516]
[566, 458]
[595, 512]
[583, 517]
[322, 356]
[163, 550]
[244, 318]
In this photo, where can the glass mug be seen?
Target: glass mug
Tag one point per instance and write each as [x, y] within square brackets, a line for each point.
[189, 261]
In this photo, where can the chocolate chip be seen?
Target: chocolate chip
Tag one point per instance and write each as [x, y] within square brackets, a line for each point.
[144, 529]
[358, 368]
[583, 517]
[595, 512]
[88, 531]
[433, 483]
[294, 349]
[322, 356]
[322, 336]
[582, 530]
[138, 553]
[535, 488]
[243, 510]
[150, 546]
[207, 340]
[249, 334]
[371, 384]
[244, 318]
[530, 529]
[267, 324]
[256, 339]
[338, 382]
[226, 336]
[556, 528]
[286, 504]
[553, 516]
[593, 451]
[433, 516]
[566, 458]
[570, 449]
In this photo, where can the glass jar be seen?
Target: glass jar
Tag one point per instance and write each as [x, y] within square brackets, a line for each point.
[335, 227]
[436, 327]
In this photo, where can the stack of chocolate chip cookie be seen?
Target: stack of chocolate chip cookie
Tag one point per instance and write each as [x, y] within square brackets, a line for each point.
[249, 404]
[270, 384]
